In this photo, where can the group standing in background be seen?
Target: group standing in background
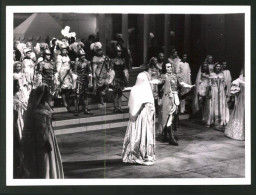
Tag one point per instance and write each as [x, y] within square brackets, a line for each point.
[74, 70]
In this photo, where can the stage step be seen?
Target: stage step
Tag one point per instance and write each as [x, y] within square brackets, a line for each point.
[66, 123]
[92, 104]
[66, 119]
[91, 126]
[90, 107]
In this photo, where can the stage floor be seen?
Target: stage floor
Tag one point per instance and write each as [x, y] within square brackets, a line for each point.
[202, 153]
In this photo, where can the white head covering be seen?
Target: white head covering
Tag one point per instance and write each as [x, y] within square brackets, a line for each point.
[95, 46]
[140, 93]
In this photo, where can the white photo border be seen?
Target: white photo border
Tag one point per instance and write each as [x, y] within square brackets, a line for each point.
[10, 10]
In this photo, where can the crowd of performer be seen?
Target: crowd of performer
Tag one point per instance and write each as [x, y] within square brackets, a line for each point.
[74, 70]
[160, 90]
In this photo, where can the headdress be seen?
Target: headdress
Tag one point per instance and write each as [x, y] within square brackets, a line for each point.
[65, 32]
[47, 51]
[26, 50]
[96, 46]
[141, 93]
[62, 45]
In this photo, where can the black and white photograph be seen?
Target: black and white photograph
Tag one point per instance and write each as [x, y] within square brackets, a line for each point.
[128, 95]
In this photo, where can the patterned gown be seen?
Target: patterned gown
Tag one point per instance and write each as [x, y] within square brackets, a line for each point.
[236, 125]
[101, 73]
[216, 108]
[63, 68]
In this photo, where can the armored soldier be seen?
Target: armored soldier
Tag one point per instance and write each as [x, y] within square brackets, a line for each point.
[120, 80]
[84, 81]
[48, 71]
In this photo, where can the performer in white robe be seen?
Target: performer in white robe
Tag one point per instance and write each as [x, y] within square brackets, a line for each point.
[139, 141]
[183, 74]
[227, 77]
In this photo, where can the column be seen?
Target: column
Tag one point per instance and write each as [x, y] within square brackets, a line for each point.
[166, 36]
[145, 38]
[125, 30]
[187, 34]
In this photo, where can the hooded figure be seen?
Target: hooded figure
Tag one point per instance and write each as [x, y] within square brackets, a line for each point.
[41, 152]
[139, 141]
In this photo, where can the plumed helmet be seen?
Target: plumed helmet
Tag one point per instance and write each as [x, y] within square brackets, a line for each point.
[118, 48]
[81, 52]
[26, 50]
[33, 55]
[29, 44]
[15, 64]
[65, 32]
[96, 46]
[63, 45]
[53, 41]
[47, 52]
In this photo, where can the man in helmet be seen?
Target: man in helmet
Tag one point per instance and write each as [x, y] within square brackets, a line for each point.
[83, 82]
[120, 81]
[47, 70]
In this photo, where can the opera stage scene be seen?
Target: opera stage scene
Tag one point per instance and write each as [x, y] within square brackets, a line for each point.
[128, 95]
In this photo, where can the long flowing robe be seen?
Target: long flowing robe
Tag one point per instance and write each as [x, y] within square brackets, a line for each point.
[20, 106]
[175, 63]
[236, 125]
[200, 91]
[41, 152]
[195, 101]
[183, 74]
[228, 80]
[23, 85]
[20, 101]
[139, 141]
[216, 108]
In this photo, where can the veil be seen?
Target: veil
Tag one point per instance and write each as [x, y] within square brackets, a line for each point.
[141, 93]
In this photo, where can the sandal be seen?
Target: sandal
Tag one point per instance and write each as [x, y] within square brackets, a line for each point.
[68, 109]
[120, 110]
[86, 111]
[76, 113]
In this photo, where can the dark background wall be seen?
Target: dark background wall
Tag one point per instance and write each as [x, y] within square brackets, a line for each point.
[221, 35]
